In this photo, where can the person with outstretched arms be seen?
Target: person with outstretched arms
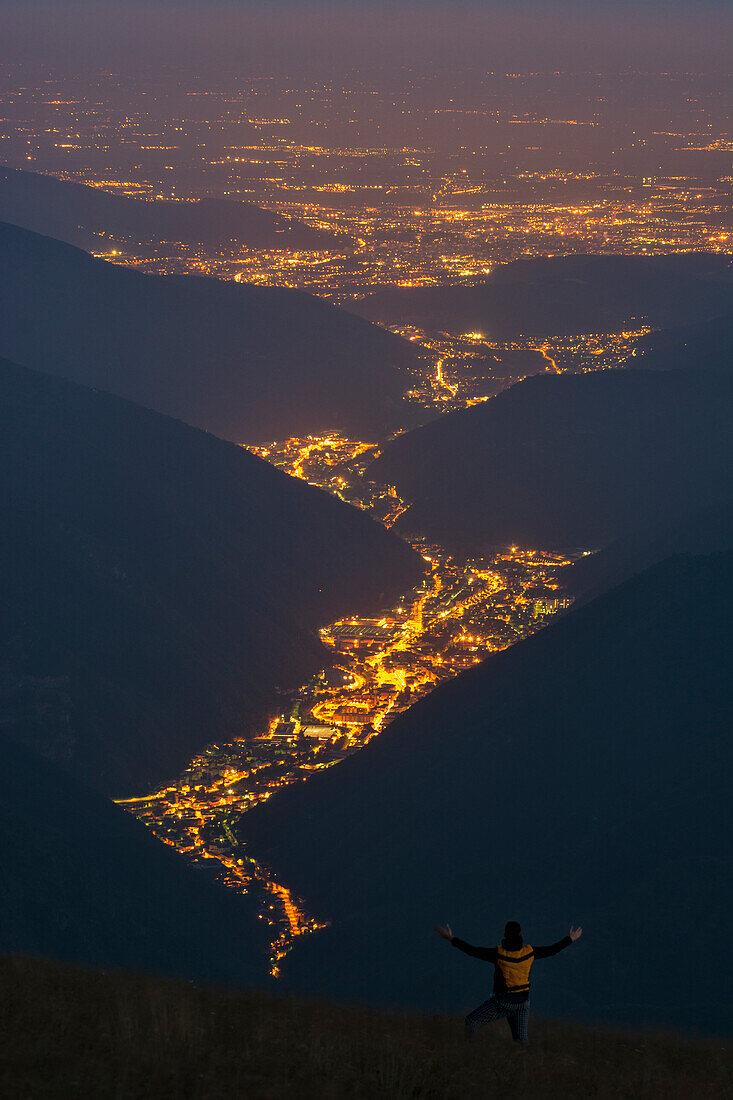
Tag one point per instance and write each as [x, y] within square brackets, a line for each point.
[512, 959]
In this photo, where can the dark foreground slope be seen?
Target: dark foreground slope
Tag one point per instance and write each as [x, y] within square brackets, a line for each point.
[90, 217]
[157, 583]
[245, 362]
[86, 882]
[79, 1034]
[582, 775]
[568, 460]
[705, 531]
[566, 295]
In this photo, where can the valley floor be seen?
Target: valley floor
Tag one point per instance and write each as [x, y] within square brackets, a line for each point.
[67, 1032]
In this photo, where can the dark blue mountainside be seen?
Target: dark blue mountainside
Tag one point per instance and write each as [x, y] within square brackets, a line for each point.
[245, 362]
[706, 531]
[157, 583]
[582, 775]
[86, 882]
[704, 344]
[568, 460]
[566, 295]
[91, 217]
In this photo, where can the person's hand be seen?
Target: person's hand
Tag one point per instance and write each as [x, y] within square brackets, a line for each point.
[575, 933]
[446, 933]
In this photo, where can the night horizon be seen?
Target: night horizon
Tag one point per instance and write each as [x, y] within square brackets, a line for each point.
[544, 35]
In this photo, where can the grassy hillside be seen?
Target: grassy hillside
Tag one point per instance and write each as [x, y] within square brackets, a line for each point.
[72, 1033]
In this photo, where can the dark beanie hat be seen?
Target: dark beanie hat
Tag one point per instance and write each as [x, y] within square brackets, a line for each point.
[512, 930]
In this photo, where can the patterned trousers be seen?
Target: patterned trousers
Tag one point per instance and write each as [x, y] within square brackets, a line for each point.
[495, 1008]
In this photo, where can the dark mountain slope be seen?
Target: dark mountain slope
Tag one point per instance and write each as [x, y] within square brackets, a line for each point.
[84, 881]
[581, 775]
[165, 581]
[566, 295]
[707, 531]
[248, 363]
[568, 460]
[87, 216]
[704, 344]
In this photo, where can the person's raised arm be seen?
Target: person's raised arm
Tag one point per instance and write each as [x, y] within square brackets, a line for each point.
[553, 948]
[488, 954]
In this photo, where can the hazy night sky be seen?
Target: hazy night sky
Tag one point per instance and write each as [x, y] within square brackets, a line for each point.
[301, 36]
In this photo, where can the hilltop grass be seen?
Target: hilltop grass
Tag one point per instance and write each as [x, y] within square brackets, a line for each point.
[68, 1032]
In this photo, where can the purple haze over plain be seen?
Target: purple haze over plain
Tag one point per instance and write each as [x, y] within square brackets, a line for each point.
[308, 37]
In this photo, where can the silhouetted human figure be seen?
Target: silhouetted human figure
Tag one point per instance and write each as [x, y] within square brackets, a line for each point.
[512, 961]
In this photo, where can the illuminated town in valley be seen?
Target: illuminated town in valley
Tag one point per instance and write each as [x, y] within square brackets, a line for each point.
[433, 181]
[463, 610]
